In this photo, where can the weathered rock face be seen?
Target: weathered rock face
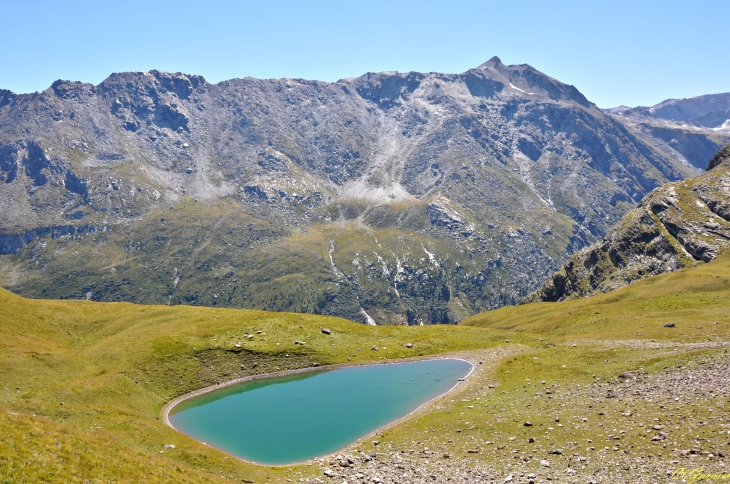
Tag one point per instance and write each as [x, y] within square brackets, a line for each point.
[675, 225]
[393, 197]
[720, 157]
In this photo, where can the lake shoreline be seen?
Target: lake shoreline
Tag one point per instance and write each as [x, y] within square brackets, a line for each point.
[265, 376]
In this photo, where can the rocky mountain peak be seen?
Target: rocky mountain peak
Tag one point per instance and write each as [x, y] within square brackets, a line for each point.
[709, 111]
[690, 130]
[493, 63]
[525, 81]
[410, 197]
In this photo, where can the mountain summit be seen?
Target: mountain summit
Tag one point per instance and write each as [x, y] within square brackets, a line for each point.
[403, 198]
[524, 80]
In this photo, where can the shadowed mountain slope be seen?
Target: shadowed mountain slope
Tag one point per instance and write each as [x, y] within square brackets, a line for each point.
[676, 225]
[690, 130]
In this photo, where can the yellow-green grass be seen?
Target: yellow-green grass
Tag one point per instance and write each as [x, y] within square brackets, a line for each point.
[695, 299]
[486, 426]
[83, 383]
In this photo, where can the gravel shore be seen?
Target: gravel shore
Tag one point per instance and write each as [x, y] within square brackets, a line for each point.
[640, 428]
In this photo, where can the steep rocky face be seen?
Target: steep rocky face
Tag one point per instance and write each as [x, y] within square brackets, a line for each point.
[720, 157]
[676, 225]
[391, 197]
[689, 130]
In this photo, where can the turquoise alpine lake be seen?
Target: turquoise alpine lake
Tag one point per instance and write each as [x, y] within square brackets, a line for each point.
[290, 419]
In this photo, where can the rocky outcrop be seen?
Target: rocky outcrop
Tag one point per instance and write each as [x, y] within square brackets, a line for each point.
[14, 243]
[676, 225]
[720, 157]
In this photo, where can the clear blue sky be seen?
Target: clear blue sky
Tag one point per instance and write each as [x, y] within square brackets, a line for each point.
[615, 52]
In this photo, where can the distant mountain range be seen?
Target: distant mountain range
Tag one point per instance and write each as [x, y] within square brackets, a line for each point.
[690, 130]
[400, 198]
[709, 111]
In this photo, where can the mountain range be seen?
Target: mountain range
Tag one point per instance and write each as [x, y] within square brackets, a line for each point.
[390, 198]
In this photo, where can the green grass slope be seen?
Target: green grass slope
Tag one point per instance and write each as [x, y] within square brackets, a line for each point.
[694, 299]
[84, 383]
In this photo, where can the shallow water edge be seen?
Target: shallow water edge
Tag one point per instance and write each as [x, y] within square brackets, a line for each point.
[168, 408]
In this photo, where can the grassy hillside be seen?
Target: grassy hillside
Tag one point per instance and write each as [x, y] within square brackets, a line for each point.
[83, 384]
[695, 299]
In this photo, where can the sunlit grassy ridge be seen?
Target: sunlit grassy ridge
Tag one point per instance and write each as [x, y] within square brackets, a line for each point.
[83, 383]
[694, 299]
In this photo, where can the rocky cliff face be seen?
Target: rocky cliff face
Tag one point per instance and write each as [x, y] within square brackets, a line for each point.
[676, 225]
[391, 197]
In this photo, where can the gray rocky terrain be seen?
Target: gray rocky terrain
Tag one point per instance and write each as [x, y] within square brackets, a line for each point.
[690, 130]
[676, 225]
[401, 198]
